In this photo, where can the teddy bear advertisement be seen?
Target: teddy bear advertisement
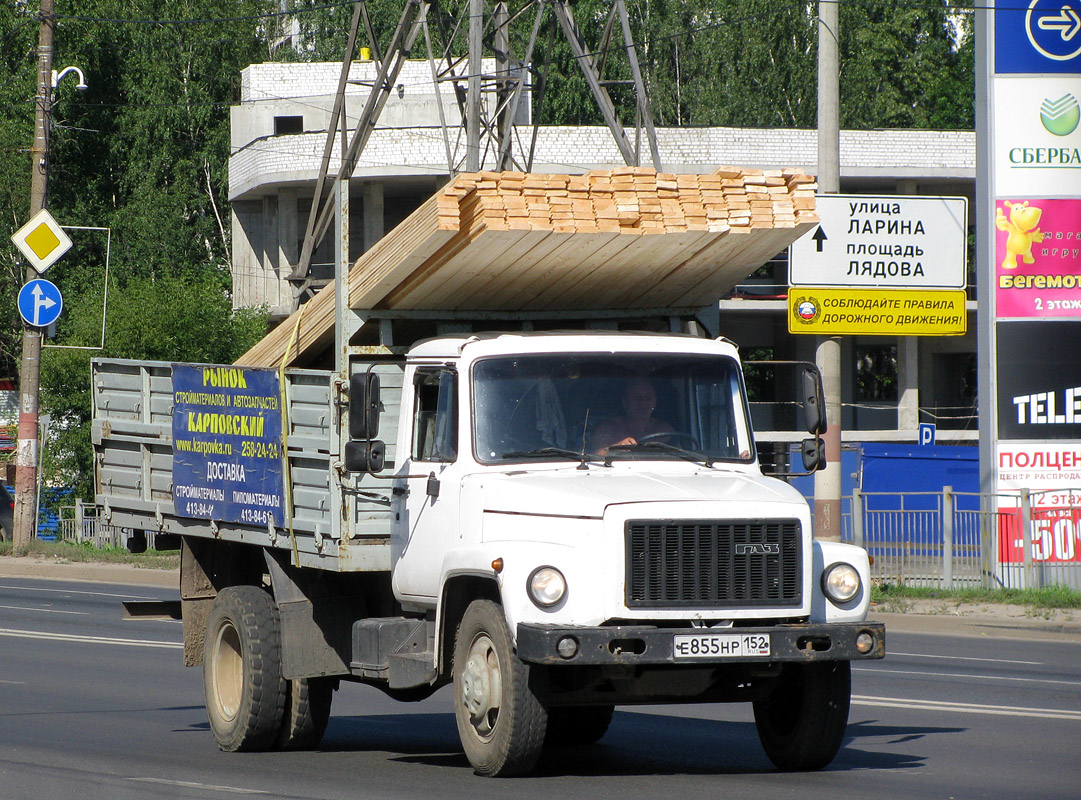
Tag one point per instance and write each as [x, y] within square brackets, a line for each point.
[1038, 258]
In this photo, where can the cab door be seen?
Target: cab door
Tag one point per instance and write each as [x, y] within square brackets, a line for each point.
[427, 497]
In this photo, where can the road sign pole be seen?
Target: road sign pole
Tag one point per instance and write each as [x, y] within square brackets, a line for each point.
[26, 453]
[827, 502]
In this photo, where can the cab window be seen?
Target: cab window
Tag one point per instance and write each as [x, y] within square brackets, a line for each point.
[435, 415]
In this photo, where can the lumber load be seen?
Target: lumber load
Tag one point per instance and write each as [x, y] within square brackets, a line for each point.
[626, 238]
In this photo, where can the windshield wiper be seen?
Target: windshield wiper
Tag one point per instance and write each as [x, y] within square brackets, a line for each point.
[545, 451]
[689, 455]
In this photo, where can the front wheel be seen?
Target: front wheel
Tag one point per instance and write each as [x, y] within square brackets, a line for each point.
[802, 722]
[501, 721]
[242, 679]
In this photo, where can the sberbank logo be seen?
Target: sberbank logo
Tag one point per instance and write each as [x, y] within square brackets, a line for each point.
[1061, 116]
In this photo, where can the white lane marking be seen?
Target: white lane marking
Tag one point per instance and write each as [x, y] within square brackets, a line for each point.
[74, 591]
[70, 637]
[202, 786]
[968, 658]
[968, 676]
[47, 610]
[13, 683]
[967, 708]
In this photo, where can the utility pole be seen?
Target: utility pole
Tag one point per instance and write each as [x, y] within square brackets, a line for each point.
[26, 454]
[827, 505]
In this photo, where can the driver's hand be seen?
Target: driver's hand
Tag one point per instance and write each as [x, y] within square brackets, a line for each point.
[625, 440]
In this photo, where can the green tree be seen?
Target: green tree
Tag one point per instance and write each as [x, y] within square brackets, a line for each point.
[18, 42]
[906, 66]
[144, 151]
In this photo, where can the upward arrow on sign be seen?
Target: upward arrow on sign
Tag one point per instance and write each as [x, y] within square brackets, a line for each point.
[819, 236]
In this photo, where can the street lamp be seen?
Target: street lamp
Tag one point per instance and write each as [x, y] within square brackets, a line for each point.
[58, 76]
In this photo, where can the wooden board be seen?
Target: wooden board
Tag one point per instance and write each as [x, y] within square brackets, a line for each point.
[623, 238]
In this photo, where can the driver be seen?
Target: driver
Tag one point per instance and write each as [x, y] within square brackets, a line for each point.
[636, 422]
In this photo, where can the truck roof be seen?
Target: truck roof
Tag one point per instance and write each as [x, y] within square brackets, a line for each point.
[455, 345]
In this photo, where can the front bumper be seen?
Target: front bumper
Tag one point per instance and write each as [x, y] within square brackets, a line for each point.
[643, 645]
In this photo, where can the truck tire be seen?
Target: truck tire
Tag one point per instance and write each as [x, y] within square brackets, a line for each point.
[307, 711]
[501, 721]
[242, 680]
[802, 723]
[571, 726]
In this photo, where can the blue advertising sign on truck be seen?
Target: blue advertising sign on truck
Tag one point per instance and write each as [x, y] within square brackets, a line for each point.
[227, 444]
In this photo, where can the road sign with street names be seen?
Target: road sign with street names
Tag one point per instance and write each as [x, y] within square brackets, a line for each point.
[42, 241]
[877, 242]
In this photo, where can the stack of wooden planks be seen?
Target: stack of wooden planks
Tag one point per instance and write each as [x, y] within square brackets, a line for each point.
[626, 238]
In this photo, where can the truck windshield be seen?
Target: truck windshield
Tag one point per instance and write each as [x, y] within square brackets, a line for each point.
[609, 405]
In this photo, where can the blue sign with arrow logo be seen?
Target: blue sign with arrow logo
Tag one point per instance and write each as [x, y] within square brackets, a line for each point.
[40, 303]
[1038, 36]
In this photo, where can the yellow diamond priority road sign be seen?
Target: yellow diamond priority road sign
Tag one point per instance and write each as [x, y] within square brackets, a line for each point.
[42, 241]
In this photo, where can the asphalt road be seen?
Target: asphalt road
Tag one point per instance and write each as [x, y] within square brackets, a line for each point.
[95, 707]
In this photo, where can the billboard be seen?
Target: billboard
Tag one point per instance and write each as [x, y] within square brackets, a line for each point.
[1037, 147]
[1039, 380]
[1038, 258]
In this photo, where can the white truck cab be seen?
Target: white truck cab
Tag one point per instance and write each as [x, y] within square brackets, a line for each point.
[604, 487]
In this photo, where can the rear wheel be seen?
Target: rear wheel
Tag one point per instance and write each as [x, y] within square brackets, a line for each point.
[306, 713]
[500, 719]
[571, 726]
[242, 681]
[802, 723]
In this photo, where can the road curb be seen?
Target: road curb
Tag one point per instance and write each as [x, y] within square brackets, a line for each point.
[30, 567]
[984, 620]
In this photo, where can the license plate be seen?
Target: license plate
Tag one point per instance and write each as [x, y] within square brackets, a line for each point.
[720, 645]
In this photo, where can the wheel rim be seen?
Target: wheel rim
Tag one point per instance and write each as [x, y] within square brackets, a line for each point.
[228, 671]
[482, 687]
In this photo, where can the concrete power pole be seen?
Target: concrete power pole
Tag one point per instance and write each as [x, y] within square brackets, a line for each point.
[827, 508]
[26, 454]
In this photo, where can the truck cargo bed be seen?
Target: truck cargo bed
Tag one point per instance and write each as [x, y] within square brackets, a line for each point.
[132, 433]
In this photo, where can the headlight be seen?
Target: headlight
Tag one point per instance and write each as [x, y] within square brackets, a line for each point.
[841, 582]
[547, 586]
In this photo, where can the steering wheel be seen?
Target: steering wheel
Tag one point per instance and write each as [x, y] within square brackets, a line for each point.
[686, 437]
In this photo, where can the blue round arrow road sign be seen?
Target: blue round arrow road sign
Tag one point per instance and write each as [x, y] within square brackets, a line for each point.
[40, 303]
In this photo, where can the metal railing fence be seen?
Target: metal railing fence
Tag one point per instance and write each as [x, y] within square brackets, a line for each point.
[81, 523]
[955, 539]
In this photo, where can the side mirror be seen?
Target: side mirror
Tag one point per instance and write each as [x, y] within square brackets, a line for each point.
[814, 454]
[814, 402]
[367, 456]
[363, 405]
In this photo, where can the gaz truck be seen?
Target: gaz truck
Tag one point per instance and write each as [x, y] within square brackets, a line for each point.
[485, 511]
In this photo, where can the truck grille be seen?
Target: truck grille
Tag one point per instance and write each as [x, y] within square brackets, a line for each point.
[713, 564]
